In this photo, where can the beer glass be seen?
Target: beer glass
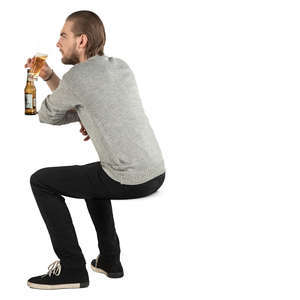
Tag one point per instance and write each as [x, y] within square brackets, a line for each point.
[38, 62]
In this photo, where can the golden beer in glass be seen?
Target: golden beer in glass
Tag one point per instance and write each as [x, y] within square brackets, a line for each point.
[38, 62]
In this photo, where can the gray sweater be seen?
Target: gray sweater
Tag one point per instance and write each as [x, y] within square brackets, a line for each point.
[103, 93]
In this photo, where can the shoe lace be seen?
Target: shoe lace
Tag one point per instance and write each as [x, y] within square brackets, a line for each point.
[54, 268]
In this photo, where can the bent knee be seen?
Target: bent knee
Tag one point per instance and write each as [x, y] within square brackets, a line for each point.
[38, 176]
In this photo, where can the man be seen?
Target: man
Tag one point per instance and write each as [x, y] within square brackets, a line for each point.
[101, 93]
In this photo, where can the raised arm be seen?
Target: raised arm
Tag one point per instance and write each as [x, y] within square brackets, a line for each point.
[46, 73]
[53, 81]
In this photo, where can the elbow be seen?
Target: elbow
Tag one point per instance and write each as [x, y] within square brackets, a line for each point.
[49, 120]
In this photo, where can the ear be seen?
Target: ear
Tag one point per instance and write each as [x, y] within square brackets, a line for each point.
[83, 41]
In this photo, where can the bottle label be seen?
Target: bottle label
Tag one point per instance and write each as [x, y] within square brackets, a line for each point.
[28, 101]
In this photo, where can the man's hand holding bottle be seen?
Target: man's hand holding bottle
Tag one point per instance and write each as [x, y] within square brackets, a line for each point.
[45, 72]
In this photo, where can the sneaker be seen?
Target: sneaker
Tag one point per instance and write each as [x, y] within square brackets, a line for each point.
[109, 268]
[59, 277]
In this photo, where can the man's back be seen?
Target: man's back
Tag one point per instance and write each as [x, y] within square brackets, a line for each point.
[104, 93]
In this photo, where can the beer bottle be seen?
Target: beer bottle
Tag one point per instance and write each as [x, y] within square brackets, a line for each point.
[30, 95]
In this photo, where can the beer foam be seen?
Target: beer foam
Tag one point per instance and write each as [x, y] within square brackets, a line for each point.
[39, 54]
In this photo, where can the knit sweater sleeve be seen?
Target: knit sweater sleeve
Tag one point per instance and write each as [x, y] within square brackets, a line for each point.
[70, 116]
[59, 108]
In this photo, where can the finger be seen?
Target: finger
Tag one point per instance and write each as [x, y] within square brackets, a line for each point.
[29, 63]
[87, 138]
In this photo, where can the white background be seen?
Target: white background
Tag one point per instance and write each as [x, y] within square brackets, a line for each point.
[219, 82]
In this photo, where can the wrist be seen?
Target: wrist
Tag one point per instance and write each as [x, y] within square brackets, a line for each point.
[50, 76]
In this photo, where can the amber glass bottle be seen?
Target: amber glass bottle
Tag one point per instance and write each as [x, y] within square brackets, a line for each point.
[30, 95]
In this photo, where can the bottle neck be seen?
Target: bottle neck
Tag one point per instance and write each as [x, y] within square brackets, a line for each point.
[29, 79]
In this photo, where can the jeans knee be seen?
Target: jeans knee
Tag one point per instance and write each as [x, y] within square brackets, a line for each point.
[37, 176]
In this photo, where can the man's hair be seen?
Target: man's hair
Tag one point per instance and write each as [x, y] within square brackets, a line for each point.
[88, 23]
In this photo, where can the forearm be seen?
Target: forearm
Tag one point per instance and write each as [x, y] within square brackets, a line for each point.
[58, 108]
[53, 82]
[71, 115]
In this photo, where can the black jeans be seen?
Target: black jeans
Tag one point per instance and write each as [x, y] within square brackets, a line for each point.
[89, 182]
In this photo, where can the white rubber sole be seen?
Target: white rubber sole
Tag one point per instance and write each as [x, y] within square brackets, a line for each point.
[98, 270]
[56, 286]
[110, 275]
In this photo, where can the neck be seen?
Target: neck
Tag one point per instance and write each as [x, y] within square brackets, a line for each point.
[82, 57]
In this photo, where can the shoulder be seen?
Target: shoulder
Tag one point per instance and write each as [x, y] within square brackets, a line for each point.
[75, 74]
[95, 64]
[119, 61]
